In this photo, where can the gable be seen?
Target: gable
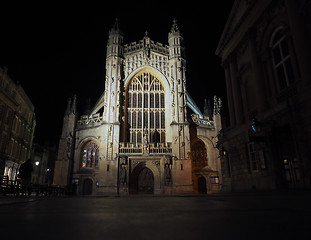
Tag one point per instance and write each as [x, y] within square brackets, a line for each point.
[243, 15]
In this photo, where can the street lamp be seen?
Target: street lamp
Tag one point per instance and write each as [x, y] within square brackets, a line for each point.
[37, 163]
[223, 151]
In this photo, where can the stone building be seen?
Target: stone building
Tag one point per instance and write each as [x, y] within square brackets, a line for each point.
[140, 136]
[43, 160]
[265, 51]
[17, 126]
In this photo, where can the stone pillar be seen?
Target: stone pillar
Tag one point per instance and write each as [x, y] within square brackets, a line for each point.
[257, 74]
[229, 95]
[236, 90]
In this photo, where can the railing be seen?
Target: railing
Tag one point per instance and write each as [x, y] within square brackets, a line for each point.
[8, 186]
[151, 149]
[87, 120]
[15, 187]
[129, 148]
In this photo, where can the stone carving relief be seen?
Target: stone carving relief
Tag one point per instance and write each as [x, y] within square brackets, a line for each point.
[146, 55]
[202, 121]
[167, 171]
[134, 163]
[123, 171]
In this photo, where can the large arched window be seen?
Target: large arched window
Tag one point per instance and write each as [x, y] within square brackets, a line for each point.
[90, 154]
[146, 109]
[282, 59]
[198, 155]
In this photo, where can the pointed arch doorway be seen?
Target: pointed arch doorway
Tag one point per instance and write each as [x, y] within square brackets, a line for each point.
[142, 181]
[145, 184]
[202, 185]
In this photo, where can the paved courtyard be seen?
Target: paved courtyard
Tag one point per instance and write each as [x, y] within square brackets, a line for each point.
[281, 215]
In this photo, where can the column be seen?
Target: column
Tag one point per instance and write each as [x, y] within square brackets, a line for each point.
[236, 90]
[229, 95]
[257, 74]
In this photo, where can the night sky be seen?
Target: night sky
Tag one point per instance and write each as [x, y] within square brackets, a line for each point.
[55, 54]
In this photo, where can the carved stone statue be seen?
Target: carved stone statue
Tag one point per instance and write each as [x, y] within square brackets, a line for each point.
[145, 141]
[145, 137]
[122, 174]
[167, 173]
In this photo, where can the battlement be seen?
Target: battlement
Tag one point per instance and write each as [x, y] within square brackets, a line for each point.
[145, 52]
[138, 46]
[94, 119]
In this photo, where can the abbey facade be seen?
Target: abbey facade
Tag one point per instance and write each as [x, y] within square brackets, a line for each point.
[139, 137]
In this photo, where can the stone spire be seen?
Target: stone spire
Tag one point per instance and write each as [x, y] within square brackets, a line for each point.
[207, 111]
[74, 104]
[115, 41]
[71, 106]
[217, 105]
[116, 26]
[175, 42]
[174, 28]
[68, 108]
[63, 163]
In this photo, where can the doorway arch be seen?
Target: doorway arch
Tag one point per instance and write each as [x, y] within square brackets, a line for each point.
[145, 182]
[144, 179]
[202, 189]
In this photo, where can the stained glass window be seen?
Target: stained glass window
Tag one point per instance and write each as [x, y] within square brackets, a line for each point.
[146, 108]
[90, 154]
[139, 100]
[199, 155]
[152, 120]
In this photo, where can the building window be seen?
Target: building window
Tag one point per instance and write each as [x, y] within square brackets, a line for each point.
[145, 109]
[256, 157]
[90, 154]
[282, 59]
[215, 180]
[198, 155]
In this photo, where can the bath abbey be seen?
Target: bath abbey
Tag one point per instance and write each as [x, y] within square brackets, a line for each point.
[145, 134]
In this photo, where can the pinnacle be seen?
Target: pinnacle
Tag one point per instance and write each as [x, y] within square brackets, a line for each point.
[174, 28]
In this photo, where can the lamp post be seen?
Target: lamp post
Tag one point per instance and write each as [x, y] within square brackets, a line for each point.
[37, 172]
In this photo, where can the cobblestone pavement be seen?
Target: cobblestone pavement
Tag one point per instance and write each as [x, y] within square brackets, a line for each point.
[273, 215]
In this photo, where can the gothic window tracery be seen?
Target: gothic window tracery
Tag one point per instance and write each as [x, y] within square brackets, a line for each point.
[199, 155]
[146, 109]
[90, 155]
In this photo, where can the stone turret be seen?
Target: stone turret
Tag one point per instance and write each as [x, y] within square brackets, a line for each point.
[115, 41]
[179, 125]
[63, 164]
[177, 66]
[175, 41]
[113, 99]
[114, 74]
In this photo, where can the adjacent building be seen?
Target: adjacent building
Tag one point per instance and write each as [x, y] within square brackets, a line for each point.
[140, 137]
[265, 51]
[43, 160]
[17, 125]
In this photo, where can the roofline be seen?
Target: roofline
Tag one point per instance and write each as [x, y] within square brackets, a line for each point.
[221, 40]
